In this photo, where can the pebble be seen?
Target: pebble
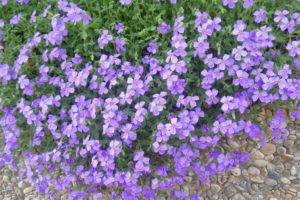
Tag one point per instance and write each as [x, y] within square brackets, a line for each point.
[288, 197]
[285, 180]
[273, 174]
[28, 190]
[253, 171]
[230, 191]
[236, 171]
[269, 157]
[215, 188]
[270, 182]
[5, 179]
[293, 170]
[268, 149]
[288, 143]
[233, 144]
[257, 179]
[238, 196]
[21, 184]
[188, 179]
[256, 154]
[260, 163]
[281, 150]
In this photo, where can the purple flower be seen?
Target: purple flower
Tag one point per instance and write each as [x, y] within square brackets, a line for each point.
[259, 15]
[33, 17]
[248, 3]
[158, 103]
[281, 15]
[173, 1]
[297, 62]
[211, 98]
[152, 47]
[293, 48]
[163, 28]
[4, 2]
[125, 2]
[119, 27]
[15, 19]
[278, 126]
[104, 39]
[120, 45]
[1, 23]
[58, 33]
[5, 73]
[226, 103]
[229, 3]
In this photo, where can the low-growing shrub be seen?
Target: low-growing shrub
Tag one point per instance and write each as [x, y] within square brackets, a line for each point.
[128, 109]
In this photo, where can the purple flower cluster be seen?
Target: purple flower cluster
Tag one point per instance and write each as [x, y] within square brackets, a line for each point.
[98, 109]
[286, 22]
[278, 127]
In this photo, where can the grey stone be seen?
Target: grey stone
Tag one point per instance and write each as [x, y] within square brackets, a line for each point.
[238, 196]
[257, 179]
[274, 175]
[230, 191]
[281, 150]
[285, 180]
[270, 182]
[215, 188]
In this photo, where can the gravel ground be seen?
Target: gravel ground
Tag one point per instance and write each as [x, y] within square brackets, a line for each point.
[272, 174]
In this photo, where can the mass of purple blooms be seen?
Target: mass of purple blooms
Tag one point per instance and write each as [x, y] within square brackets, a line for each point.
[83, 165]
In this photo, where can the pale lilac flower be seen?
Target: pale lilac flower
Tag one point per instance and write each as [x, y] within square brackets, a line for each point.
[259, 15]
[248, 3]
[125, 2]
[1, 23]
[119, 27]
[163, 28]
[229, 3]
[104, 39]
[15, 19]
[4, 2]
[226, 103]
[33, 17]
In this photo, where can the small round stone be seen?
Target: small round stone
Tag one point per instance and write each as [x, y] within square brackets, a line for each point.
[253, 171]
[268, 149]
[270, 182]
[233, 144]
[293, 170]
[281, 150]
[257, 179]
[260, 163]
[28, 190]
[236, 171]
[285, 180]
[230, 191]
[256, 154]
[215, 188]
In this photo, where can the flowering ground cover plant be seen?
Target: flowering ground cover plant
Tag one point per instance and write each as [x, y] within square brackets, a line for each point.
[122, 99]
